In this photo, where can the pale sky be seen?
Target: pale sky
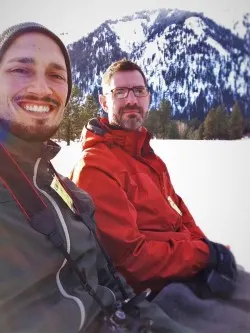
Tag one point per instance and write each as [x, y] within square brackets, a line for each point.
[79, 17]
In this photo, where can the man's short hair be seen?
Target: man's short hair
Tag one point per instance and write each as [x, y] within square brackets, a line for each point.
[122, 65]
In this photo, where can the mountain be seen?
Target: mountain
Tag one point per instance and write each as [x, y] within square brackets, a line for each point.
[242, 29]
[189, 59]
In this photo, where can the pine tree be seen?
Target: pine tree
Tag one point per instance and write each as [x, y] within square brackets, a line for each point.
[173, 132]
[247, 126]
[89, 110]
[164, 111]
[190, 134]
[221, 128]
[194, 123]
[199, 132]
[69, 128]
[194, 130]
[236, 123]
[158, 120]
[152, 122]
[182, 129]
[210, 125]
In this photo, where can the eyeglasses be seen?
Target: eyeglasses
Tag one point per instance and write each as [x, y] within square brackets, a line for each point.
[123, 92]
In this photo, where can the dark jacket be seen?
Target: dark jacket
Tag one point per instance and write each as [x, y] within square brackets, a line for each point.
[38, 291]
[143, 224]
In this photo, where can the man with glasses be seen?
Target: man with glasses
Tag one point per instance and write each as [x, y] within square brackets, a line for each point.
[143, 224]
[127, 102]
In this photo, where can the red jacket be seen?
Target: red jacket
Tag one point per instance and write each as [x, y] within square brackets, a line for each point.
[142, 223]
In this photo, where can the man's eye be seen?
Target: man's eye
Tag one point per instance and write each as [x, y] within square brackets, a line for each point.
[139, 89]
[20, 70]
[120, 91]
[58, 76]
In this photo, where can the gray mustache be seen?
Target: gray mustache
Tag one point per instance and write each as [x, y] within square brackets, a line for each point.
[131, 107]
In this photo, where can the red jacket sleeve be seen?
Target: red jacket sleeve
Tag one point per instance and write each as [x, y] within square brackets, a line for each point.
[137, 258]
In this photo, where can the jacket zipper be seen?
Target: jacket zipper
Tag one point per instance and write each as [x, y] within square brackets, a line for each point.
[67, 238]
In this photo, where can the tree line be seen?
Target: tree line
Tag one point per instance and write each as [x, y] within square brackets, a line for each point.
[218, 123]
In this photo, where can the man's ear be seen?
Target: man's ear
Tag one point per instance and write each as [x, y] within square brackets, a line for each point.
[103, 102]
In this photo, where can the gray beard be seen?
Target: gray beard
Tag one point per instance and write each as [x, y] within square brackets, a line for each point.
[131, 123]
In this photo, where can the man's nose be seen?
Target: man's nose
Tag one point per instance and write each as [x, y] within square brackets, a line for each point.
[131, 98]
[39, 86]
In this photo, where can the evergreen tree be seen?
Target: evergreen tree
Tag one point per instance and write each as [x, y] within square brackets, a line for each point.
[247, 126]
[196, 135]
[195, 130]
[192, 134]
[200, 132]
[189, 133]
[69, 128]
[221, 128]
[182, 129]
[236, 123]
[194, 122]
[164, 114]
[172, 132]
[152, 122]
[90, 110]
[158, 121]
[210, 125]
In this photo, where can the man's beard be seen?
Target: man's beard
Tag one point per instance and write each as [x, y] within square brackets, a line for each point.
[130, 121]
[38, 133]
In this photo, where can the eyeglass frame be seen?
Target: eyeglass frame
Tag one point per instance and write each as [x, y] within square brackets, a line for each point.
[128, 91]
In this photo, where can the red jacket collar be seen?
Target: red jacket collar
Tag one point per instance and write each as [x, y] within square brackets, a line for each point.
[135, 143]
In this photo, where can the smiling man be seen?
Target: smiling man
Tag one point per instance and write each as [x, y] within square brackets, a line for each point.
[53, 276]
[34, 86]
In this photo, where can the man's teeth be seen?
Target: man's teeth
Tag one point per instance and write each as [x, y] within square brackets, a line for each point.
[36, 108]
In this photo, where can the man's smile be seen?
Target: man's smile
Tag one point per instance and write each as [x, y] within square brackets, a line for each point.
[35, 108]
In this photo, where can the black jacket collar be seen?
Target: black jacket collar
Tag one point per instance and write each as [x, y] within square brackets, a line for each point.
[28, 151]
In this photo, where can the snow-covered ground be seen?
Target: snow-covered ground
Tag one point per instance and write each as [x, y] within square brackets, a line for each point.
[213, 178]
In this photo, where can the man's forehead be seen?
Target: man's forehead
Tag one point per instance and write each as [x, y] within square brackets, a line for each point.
[34, 45]
[133, 77]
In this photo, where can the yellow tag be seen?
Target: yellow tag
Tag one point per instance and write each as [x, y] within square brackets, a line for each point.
[174, 206]
[56, 185]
